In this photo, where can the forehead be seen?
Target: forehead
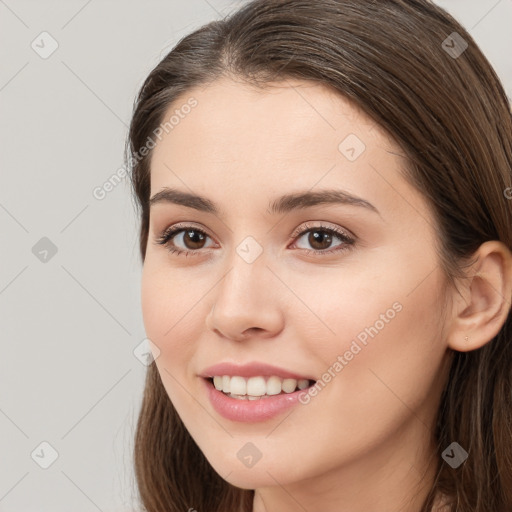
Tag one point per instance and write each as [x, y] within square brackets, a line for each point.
[290, 119]
[294, 135]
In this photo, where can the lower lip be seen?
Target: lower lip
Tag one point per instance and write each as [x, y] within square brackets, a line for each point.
[250, 411]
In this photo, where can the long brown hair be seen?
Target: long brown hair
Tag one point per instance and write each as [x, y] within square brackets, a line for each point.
[399, 61]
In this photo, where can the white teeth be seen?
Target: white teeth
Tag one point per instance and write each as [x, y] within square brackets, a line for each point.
[217, 382]
[289, 385]
[225, 383]
[238, 386]
[303, 384]
[274, 386]
[256, 387]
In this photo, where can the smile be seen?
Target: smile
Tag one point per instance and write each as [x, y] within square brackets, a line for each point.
[247, 408]
[254, 388]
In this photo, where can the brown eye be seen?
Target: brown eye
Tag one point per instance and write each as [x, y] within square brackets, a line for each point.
[321, 238]
[193, 239]
[189, 240]
[183, 240]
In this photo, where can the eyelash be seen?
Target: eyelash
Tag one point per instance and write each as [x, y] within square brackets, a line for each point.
[169, 233]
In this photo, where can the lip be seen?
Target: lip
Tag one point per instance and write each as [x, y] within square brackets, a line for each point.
[250, 411]
[253, 369]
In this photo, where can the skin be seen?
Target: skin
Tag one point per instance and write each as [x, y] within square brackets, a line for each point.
[365, 441]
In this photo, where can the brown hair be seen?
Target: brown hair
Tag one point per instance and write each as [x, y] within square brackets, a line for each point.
[451, 118]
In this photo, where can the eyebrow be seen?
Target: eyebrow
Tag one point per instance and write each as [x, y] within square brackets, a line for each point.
[283, 204]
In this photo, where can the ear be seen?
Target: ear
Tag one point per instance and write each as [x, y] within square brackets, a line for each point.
[484, 302]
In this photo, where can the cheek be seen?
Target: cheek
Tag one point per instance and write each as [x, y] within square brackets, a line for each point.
[169, 327]
[391, 347]
[168, 315]
[389, 371]
[154, 298]
[358, 302]
[381, 322]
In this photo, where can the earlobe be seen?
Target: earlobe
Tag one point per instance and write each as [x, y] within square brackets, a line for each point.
[485, 302]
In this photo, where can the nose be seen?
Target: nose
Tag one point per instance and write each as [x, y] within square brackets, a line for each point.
[246, 302]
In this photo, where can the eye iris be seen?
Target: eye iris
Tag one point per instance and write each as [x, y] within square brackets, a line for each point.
[189, 236]
[319, 237]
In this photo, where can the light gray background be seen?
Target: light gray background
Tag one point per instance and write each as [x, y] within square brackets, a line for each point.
[70, 325]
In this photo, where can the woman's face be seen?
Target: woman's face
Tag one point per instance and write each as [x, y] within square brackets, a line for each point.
[345, 293]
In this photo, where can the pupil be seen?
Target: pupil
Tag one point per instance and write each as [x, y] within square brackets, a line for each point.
[195, 239]
[317, 237]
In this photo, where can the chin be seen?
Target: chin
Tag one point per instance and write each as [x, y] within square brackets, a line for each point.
[264, 473]
[251, 479]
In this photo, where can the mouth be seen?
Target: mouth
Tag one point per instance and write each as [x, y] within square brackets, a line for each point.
[257, 387]
[254, 391]
[250, 400]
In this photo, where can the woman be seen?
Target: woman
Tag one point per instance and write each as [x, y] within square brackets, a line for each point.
[324, 190]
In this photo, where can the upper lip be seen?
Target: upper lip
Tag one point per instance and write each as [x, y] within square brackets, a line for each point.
[252, 369]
